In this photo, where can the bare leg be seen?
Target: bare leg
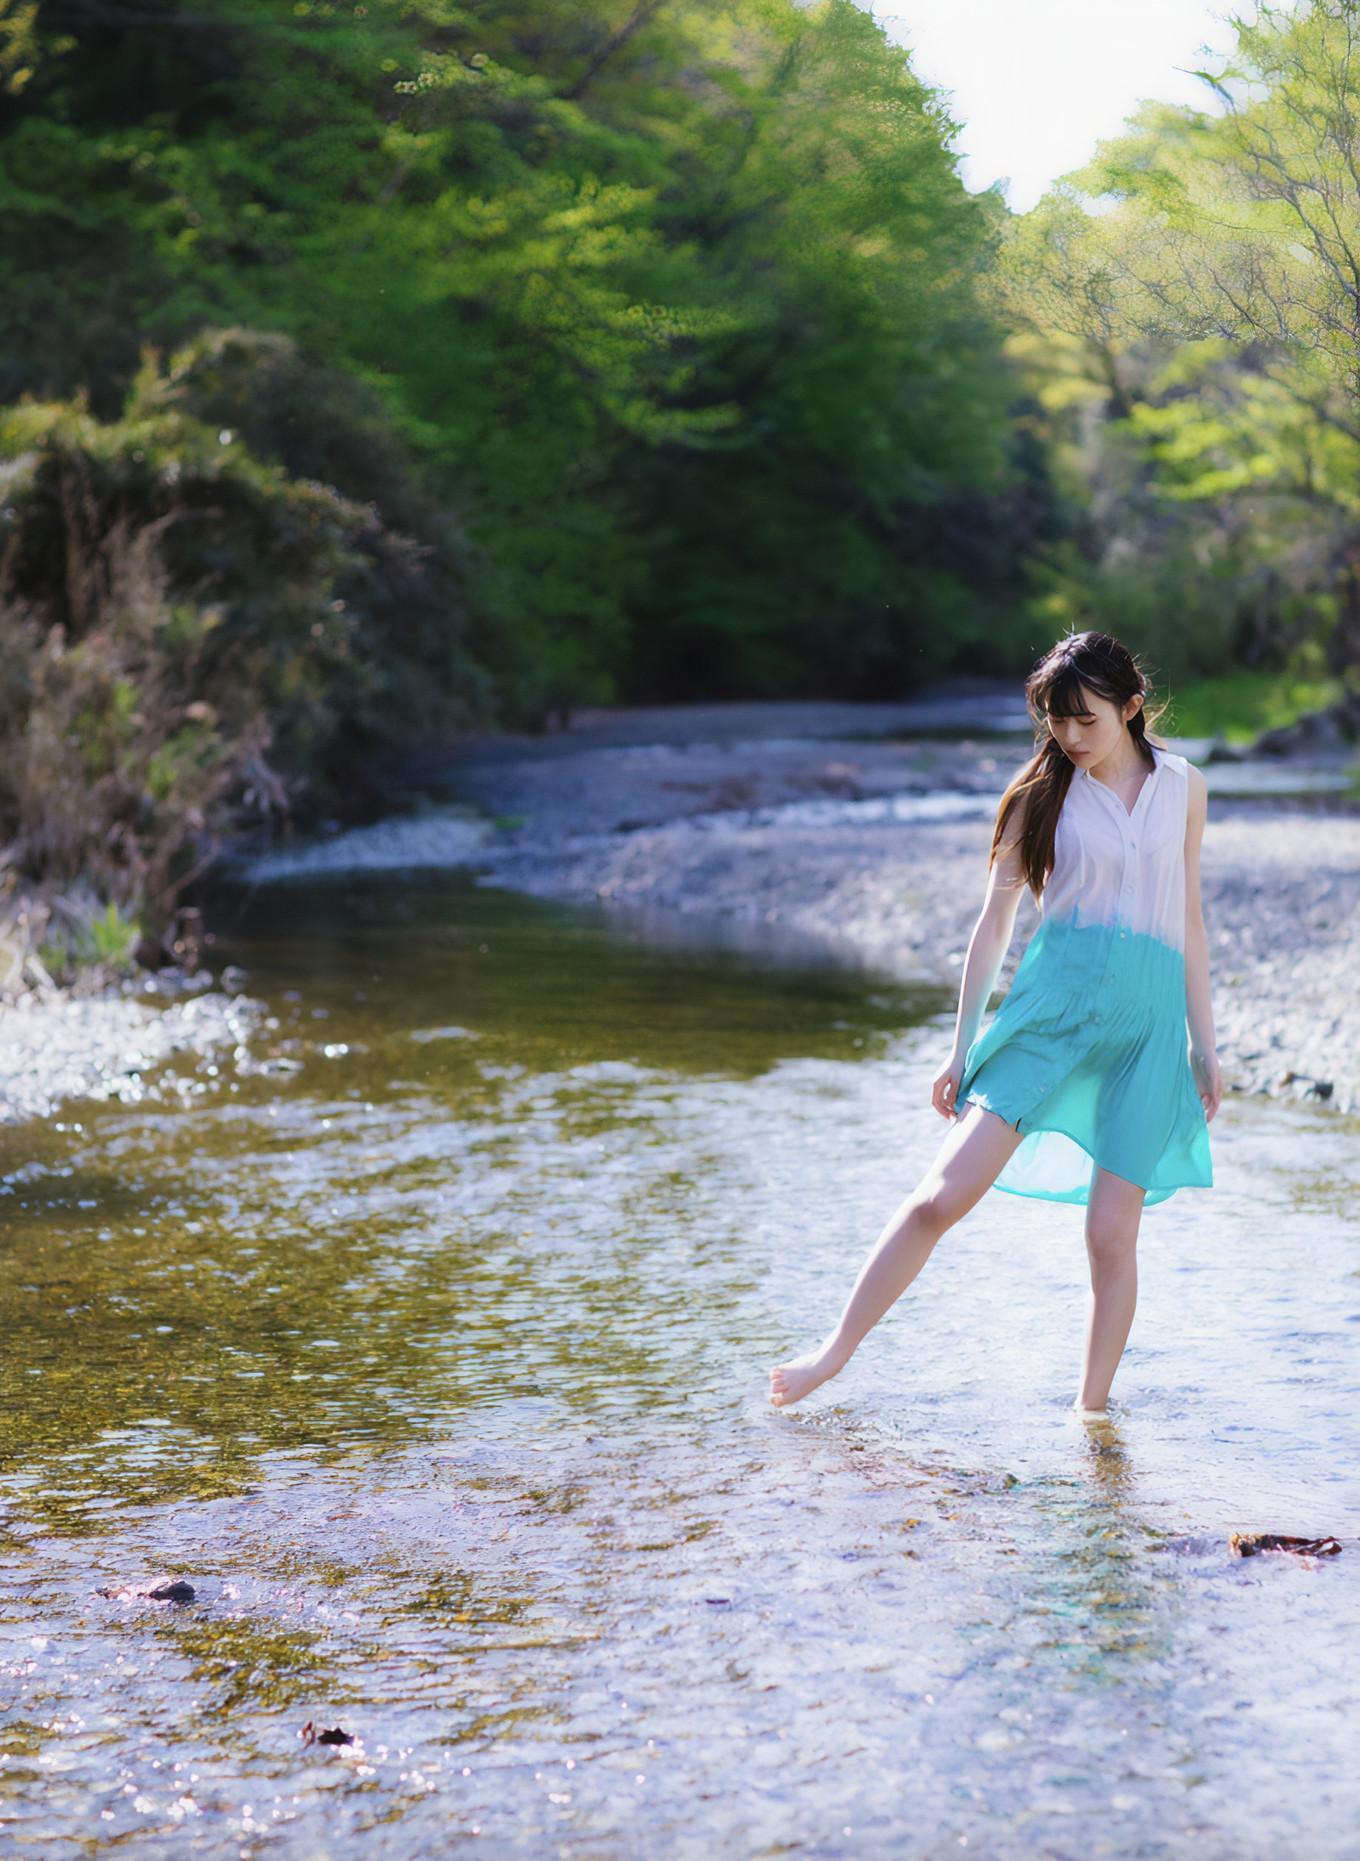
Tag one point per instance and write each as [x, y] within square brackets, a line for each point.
[1112, 1216]
[978, 1144]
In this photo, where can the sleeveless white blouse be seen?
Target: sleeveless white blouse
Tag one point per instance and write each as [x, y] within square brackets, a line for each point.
[1123, 867]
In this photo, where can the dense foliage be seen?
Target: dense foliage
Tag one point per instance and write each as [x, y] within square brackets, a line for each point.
[1192, 315]
[381, 370]
[452, 364]
[179, 622]
[673, 306]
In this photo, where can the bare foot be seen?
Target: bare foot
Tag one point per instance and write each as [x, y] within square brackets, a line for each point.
[1089, 1415]
[791, 1381]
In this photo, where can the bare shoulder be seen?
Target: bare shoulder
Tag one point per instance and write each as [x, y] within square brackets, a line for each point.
[1197, 797]
[1196, 811]
[1013, 833]
[1005, 862]
[1015, 822]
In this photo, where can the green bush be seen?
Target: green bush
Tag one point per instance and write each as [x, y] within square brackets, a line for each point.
[191, 638]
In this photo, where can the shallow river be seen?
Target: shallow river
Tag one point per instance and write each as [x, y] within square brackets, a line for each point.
[434, 1352]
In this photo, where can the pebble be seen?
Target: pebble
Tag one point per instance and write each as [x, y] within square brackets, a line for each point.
[1280, 876]
[58, 1046]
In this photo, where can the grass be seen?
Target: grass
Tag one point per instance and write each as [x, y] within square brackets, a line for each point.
[1239, 705]
[90, 938]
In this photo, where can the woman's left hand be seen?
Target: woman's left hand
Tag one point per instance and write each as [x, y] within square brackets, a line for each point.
[1208, 1079]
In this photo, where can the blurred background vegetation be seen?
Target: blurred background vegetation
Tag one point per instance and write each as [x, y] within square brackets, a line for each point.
[378, 371]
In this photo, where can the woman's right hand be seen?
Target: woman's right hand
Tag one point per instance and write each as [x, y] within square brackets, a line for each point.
[944, 1090]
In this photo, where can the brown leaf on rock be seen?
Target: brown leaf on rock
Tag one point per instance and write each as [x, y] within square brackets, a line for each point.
[1247, 1544]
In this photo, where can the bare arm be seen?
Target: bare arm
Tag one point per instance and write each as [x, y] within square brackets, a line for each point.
[1199, 1012]
[987, 948]
[991, 938]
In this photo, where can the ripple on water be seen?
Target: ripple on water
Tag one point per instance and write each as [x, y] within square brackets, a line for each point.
[443, 1382]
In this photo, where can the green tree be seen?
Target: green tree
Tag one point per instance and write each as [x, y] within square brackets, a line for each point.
[673, 309]
[1236, 226]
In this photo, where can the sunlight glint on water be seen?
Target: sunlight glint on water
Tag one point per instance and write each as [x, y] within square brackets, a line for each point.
[438, 1366]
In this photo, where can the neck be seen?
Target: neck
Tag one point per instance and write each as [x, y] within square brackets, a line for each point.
[1123, 761]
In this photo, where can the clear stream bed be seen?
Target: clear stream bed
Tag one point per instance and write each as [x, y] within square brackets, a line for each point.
[429, 1341]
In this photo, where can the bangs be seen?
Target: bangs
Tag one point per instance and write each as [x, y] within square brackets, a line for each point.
[1062, 695]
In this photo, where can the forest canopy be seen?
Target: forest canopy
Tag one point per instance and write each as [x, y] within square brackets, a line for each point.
[381, 371]
[671, 308]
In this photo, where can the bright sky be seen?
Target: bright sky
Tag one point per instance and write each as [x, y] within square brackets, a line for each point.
[1037, 83]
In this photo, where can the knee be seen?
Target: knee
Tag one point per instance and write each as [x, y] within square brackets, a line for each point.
[1110, 1247]
[938, 1205]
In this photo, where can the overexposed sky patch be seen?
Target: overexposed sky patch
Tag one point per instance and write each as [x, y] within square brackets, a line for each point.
[1037, 83]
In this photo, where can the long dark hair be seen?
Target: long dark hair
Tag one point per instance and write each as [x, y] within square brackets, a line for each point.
[1102, 665]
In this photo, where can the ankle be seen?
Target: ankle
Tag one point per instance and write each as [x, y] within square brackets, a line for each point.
[838, 1349]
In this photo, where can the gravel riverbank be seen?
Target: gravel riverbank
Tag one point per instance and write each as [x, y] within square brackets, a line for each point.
[880, 848]
[59, 1046]
[747, 818]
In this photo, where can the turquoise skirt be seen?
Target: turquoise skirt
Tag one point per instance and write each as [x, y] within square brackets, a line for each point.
[1087, 1055]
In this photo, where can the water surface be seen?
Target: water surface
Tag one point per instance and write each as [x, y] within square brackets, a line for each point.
[430, 1341]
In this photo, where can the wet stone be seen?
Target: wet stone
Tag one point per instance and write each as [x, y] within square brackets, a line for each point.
[169, 1590]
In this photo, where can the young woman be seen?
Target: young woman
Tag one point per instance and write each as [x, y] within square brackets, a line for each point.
[1080, 1089]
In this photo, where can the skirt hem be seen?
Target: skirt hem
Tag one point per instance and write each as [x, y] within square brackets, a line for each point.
[1079, 1198]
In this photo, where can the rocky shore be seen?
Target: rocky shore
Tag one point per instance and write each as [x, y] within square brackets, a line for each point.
[747, 820]
[879, 847]
[58, 1046]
